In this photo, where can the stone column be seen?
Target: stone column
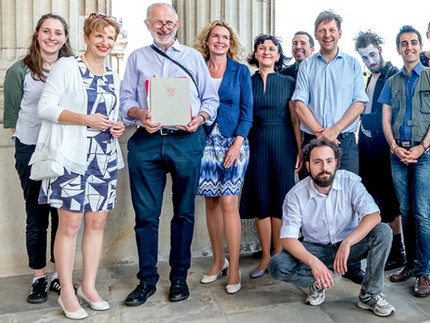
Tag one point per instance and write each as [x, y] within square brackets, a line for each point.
[248, 17]
[17, 21]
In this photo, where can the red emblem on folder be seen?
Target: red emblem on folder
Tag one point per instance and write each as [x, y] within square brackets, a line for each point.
[170, 91]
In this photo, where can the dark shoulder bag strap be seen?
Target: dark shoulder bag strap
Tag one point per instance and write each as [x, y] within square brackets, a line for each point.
[177, 63]
[388, 73]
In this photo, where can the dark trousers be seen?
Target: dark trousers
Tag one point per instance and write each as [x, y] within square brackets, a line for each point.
[37, 221]
[150, 158]
[375, 172]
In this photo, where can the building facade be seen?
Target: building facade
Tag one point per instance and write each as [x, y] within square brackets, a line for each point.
[17, 21]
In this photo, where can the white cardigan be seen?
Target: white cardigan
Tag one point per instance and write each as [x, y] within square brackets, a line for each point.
[66, 144]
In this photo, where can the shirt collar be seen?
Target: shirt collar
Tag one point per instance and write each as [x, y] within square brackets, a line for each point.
[176, 46]
[340, 54]
[314, 192]
[417, 69]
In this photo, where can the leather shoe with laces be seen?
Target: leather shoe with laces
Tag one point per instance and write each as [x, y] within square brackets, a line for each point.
[140, 294]
[355, 275]
[178, 291]
[422, 286]
[401, 275]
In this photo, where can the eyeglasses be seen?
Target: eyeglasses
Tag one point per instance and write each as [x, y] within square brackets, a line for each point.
[159, 24]
[96, 15]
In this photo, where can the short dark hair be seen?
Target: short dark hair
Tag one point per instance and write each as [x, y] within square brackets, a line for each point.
[327, 16]
[277, 41]
[311, 39]
[408, 29]
[365, 38]
[306, 151]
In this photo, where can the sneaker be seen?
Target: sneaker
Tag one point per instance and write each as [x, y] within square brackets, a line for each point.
[39, 291]
[376, 303]
[55, 286]
[316, 295]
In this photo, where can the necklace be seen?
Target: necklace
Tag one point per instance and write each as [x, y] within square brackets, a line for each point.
[47, 64]
[89, 67]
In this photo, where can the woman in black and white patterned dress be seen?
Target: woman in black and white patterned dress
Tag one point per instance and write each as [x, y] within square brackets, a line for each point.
[79, 106]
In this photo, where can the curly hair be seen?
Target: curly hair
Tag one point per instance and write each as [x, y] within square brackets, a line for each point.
[306, 151]
[277, 41]
[98, 22]
[235, 49]
[364, 39]
[33, 58]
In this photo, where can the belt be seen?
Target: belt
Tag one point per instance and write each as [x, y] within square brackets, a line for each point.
[407, 143]
[341, 136]
[164, 132]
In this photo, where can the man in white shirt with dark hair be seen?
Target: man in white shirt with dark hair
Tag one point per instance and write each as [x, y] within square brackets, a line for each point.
[340, 224]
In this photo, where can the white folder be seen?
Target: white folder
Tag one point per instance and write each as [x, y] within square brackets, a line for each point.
[170, 100]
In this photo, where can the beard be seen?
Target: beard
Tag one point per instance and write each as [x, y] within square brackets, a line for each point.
[321, 181]
[378, 68]
[156, 34]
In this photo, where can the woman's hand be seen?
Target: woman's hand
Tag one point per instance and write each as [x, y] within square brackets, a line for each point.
[232, 156]
[117, 129]
[98, 121]
[299, 163]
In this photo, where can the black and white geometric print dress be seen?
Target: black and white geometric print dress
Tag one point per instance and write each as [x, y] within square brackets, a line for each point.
[94, 191]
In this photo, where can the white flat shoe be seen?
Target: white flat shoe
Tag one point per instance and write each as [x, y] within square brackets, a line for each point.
[233, 289]
[96, 306]
[206, 279]
[77, 315]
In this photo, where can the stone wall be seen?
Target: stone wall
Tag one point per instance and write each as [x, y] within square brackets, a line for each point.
[17, 21]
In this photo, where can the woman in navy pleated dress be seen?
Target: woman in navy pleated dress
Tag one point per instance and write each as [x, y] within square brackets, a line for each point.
[274, 141]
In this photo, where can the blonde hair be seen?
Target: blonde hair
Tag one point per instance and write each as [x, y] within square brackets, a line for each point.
[99, 24]
[235, 50]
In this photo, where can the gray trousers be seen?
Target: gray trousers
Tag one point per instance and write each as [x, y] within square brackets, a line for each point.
[374, 247]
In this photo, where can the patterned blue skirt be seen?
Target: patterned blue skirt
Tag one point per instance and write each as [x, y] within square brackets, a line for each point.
[215, 180]
[95, 191]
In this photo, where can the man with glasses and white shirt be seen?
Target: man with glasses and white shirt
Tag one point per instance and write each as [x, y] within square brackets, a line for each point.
[154, 151]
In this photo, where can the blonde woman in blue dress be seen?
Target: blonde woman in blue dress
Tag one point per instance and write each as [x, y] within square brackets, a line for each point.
[226, 153]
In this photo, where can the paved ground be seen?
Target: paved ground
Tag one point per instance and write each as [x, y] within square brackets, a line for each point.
[260, 300]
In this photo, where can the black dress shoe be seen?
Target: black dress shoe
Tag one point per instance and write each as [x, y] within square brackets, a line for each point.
[178, 291]
[396, 259]
[355, 275]
[394, 263]
[140, 294]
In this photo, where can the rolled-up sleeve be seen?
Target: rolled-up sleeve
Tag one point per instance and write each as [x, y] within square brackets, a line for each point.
[291, 217]
[129, 93]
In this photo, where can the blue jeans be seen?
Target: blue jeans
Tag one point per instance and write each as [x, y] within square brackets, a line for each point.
[412, 184]
[375, 247]
[150, 158]
[37, 220]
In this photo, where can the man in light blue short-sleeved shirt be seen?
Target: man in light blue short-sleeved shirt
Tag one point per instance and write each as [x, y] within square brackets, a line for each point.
[330, 92]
